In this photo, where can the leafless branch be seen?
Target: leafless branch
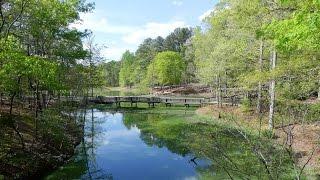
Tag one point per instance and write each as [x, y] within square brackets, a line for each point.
[309, 158]
[23, 5]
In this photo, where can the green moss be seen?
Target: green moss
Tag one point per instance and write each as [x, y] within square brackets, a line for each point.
[223, 144]
[72, 170]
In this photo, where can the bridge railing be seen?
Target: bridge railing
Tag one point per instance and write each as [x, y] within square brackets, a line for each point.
[183, 100]
[165, 100]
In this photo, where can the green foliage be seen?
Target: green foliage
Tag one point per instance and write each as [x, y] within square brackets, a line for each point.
[166, 69]
[38, 51]
[141, 72]
[127, 69]
[228, 47]
[111, 73]
[177, 39]
[17, 67]
[302, 112]
[240, 33]
[300, 30]
[209, 140]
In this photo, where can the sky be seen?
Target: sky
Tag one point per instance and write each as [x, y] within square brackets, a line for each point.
[122, 25]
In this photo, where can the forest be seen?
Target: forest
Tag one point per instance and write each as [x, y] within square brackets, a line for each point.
[267, 49]
[41, 61]
[265, 53]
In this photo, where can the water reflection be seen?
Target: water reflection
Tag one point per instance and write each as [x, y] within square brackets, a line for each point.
[161, 146]
[111, 149]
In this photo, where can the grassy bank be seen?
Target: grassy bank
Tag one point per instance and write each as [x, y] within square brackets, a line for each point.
[298, 138]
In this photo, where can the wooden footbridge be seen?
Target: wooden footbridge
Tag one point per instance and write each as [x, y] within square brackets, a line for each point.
[152, 101]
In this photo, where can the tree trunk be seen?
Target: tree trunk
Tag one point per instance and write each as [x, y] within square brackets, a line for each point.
[92, 90]
[11, 102]
[15, 128]
[44, 99]
[273, 60]
[38, 100]
[260, 84]
[226, 83]
[219, 92]
[1, 102]
[92, 131]
[319, 91]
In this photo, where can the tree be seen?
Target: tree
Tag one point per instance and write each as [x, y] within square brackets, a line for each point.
[41, 34]
[112, 70]
[127, 69]
[176, 40]
[189, 58]
[298, 37]
[168, 68]
[18, 69]
[224, 50]
[94, 58]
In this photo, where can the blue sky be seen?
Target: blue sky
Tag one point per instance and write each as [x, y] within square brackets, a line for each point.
[123, 24]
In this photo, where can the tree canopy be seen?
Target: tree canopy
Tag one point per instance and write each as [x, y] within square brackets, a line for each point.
[166, 69]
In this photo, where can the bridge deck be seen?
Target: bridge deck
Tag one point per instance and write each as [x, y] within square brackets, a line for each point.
[168, 101]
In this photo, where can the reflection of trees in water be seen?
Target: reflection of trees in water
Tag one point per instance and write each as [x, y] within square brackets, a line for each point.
[89, 144]
[232, 155]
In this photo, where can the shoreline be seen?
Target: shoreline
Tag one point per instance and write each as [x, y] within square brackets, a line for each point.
[25, 155]
[304, 142]
[225, 116]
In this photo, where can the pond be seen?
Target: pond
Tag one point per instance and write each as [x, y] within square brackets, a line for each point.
[159, 145]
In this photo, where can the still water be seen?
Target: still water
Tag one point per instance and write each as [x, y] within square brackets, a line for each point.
[115, 150]
[170, 144]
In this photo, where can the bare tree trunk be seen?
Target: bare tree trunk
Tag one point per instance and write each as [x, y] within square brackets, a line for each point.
[92, 131]
[11, 102]
[260, 84]
[319, 91]
[38, 100]
[226, 83]
[92, 91]
[219, 92]
[1, 102]
[15, 128]
[44, 99]
[273, 60]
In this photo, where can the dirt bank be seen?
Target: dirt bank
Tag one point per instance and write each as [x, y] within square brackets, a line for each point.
[26, 153]
[191, 90]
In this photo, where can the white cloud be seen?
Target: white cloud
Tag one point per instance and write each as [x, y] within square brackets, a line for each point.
[152, 30]
[89, 21]
[177, 3]
[206, 14]
[125, 37]
[115, 53]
